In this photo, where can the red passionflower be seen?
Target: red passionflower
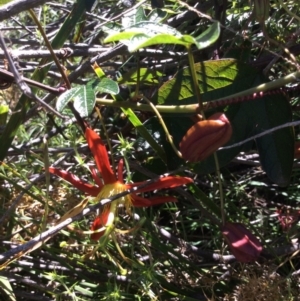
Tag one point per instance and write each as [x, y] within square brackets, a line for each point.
[111, 185]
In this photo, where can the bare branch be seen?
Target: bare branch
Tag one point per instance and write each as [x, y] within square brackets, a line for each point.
[13, 8]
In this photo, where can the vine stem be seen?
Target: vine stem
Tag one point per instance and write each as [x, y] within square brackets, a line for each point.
[169, 137]
[201, 109]
[220, 187]
[194, 108]
[194, 79]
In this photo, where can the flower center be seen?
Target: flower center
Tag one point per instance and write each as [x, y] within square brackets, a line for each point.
[110, 190]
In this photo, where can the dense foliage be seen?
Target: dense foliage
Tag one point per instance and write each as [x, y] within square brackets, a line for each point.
[155, 154]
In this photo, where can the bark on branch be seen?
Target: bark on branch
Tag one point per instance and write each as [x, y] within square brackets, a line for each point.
[15, 7]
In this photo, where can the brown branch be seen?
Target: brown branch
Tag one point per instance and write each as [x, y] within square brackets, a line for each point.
[8, 76]
[13, 8]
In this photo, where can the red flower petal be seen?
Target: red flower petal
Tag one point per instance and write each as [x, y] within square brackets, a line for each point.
[99, 222]
[99, 151]
[138, 201]
[75, 181]
[120, 171]
[164, 182]
[95, 176]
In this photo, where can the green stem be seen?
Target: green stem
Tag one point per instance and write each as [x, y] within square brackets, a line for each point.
[169, 137]
[220, 188]
[189, 109]
[136, 94]
[195, 80]
[193, 108]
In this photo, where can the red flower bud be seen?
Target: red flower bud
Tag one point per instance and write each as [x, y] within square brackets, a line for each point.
[242, 243]
[205, 137]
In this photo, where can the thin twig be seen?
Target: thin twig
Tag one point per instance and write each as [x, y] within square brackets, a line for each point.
[15, 7]
[21, 83]
[274, 129]
[36, 242]
[7, 75]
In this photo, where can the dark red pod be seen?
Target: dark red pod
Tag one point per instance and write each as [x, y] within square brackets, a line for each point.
[242, 243]
[205, 137]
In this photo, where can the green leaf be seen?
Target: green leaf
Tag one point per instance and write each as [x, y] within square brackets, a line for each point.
[3, 114]
[124, 35]
[107, 85]
[144, 30]
[276, 150]
[84, 96]
[212, 77]
[204, 200]
[142, 41]
[18, 116]
[65, 97]
[7, 288]
[146, 76]
[144, 133]
[147, 33]
[209, 36]
[152, 28]
[84, 100]
[217, 79]
[157, 15]
[133, 17]
[2, 2]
